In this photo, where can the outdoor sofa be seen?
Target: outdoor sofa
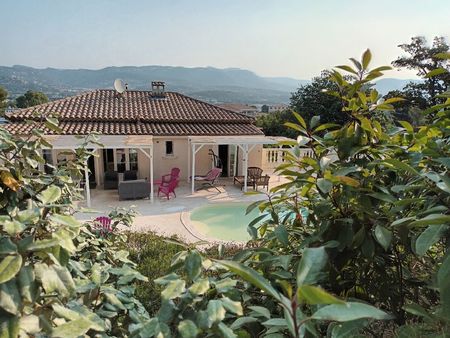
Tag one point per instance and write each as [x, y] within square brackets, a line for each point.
[134, 189]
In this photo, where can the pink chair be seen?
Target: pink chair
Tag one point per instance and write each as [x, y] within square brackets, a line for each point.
[210, 179]
[166, 179]
[168, 188]
[103, 225]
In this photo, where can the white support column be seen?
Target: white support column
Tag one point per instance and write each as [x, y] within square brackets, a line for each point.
[189, 160]
[193, 169]
[195, 150]
[151, 175]
[235, 160]
[98, 177]
[245, 166]
[86, 185]
[150, 157]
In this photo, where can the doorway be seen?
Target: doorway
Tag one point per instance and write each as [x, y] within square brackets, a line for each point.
[91, 167]
[223, 155]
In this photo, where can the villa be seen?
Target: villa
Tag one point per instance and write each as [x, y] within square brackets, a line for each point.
[147, 132]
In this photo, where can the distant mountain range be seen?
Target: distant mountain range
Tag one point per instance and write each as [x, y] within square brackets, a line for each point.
[206, 83]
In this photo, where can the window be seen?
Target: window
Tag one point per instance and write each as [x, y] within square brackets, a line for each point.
[121, 160]
[108, 159]
[169, 148]
[133, 156]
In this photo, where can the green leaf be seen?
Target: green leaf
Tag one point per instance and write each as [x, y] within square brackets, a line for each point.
[241, 321]
[349, 311]
[232, 306]
[30, 324]
[405, 124]
[383, 236]
[367, 56]
[72, 329]
[50, 195]
[314, 295]
[251, 276]
[10, 300]
[28, 286]
[314, 121]
[326, 126]
[200, 286]
[68, 220]
[347, 69]
[9, 327]
[302, 140]
[43, 244]
[324, 185]
[260, 310]
[226, 331]
[282, 234]
[435, 72]
[9, 267]
[7, 247]
[193, 265]
[173, 289]
[13, 227]
[431, 220]
[300, 119]
[311, 265]
[348, 329]
[429, 237]
[55, 279]
[216, 311]
[443, 278]
[394, 164]
[188, 329]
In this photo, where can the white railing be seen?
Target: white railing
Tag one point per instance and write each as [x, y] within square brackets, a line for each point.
[273, 157]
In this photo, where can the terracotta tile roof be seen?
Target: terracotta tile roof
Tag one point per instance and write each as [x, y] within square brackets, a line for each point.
[143, 128]
[135, 112]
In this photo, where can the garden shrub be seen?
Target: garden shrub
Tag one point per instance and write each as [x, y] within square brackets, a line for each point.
[58, 277]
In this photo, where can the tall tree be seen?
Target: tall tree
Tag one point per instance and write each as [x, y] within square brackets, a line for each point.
[30, 99]
[312, 99]
[3, 97]
[425, 59]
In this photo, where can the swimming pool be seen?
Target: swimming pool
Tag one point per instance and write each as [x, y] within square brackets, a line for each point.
[224, 221]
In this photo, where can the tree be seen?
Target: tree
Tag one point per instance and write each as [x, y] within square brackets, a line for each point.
[272, 124]
[426, 59]
[30, 99]
[313, 99]
[3, 97]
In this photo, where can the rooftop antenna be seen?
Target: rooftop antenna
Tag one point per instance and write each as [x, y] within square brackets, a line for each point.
[120, 86]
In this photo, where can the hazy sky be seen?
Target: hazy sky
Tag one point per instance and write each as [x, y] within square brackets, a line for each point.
[272, 38]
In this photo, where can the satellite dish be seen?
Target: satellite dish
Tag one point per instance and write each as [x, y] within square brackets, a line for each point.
[119, 85]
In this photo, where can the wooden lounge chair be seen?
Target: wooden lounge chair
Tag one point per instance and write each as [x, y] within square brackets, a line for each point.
[240, 180]
[210, 179]
[262, 181]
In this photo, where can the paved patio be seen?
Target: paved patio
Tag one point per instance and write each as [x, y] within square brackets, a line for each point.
[165, 216]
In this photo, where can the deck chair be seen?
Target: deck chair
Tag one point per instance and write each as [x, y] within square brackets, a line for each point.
[102, 224]
[166, 179]
[210, 179]
[168, 188]
[262, 181]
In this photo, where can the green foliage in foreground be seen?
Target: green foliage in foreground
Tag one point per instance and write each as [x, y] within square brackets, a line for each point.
[58, 277]
[372, 251]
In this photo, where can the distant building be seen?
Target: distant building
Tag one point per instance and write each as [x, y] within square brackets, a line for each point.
[273, 108]
[240, 108]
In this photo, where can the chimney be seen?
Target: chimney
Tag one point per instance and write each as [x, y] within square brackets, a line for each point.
[158, 89]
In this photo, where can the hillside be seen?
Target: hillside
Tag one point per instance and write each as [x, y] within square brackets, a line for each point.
[206, 83]
[212, 84]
